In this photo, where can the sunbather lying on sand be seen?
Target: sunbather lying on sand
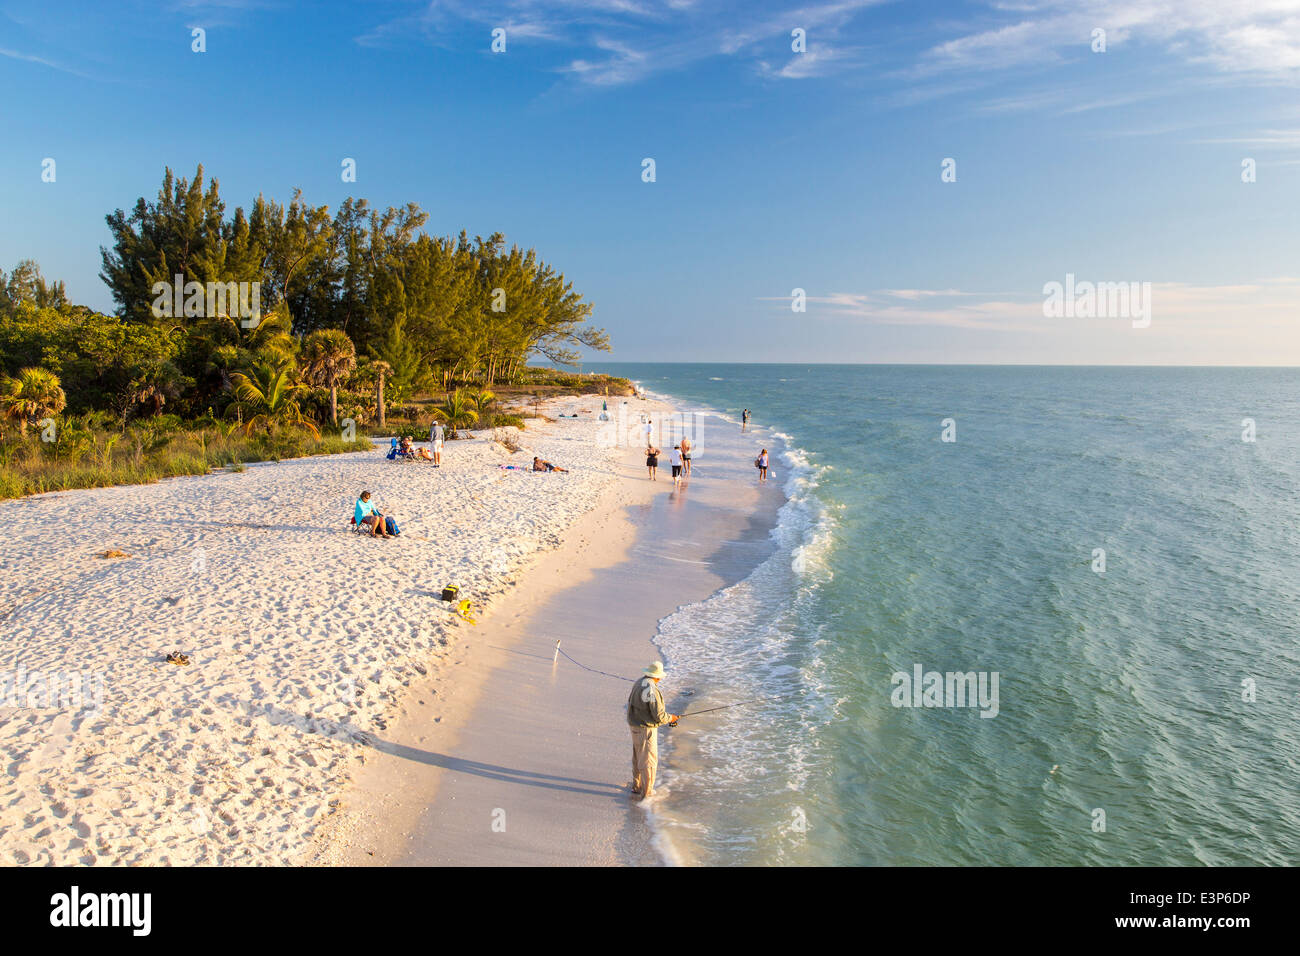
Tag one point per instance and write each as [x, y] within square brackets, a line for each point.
[539, 465]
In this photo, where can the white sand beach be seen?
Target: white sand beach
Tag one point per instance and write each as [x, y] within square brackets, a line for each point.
[525, 758]
[302, 637]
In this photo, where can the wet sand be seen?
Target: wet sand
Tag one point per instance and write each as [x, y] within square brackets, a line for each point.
[530, 761]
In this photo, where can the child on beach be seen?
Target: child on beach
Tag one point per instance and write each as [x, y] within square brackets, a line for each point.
[761, 464]
[652, 460]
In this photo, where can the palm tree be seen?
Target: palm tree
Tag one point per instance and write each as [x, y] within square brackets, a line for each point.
[265, 393]
[328, 357]
[381, 368]
[271, 337]
[152, 389]
[482, 400]
[457, 411]
[33, 395]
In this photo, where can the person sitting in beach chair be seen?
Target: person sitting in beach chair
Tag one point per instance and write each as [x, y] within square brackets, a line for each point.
[539, 465]
[402, 450]
[366, 515]
[407, 449]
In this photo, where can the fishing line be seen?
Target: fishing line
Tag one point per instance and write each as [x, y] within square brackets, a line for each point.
[630, 680]
[689, 713]
[743, 703]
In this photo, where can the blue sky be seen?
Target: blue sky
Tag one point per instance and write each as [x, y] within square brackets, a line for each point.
[775, 169]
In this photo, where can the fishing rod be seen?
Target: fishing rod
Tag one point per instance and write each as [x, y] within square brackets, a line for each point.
[691, 713]
[743, 703]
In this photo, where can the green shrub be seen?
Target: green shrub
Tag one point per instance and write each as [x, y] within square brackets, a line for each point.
[86, 455]
[396, 430]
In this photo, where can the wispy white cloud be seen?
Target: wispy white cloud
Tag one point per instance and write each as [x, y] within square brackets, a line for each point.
[1064, 101]
[1266, 139]
[622, 64]
[1264, 306]
[623, 41]
[819, 60]
[42, 61]
[1233, 36]
[926, 307]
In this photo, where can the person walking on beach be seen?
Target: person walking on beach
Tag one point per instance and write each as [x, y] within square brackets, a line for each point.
[649, 430]
[436, 436]
[645, 715]
[744, 419]
[652, 460]
[677, 464]
[686, 457]
[761, 464]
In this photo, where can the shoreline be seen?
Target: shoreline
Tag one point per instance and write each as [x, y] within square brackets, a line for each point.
[542, 745]
[397, 785]
[302, 637]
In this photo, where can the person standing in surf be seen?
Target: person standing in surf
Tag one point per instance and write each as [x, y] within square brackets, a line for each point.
[744, 419]
[761, 464]
[686, 457]
[645, 715]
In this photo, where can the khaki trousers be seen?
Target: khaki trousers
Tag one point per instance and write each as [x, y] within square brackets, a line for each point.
[645, 759]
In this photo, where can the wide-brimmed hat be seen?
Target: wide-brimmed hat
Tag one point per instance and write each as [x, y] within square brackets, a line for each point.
[655, 670]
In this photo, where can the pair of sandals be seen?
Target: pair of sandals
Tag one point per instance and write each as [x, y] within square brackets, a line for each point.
[176, 657]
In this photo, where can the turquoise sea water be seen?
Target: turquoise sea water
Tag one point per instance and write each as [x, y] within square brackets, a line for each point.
[899, 549]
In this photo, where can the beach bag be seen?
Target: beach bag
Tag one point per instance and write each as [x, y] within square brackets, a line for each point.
[391, 526]
[449, 592]
[758, 462]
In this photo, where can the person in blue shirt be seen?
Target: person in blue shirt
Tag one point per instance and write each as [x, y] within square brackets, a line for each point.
[367, 515]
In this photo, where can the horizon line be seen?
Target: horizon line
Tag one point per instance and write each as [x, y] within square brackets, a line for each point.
[931, 364]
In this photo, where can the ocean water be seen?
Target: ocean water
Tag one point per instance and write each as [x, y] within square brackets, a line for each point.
[1146, 714]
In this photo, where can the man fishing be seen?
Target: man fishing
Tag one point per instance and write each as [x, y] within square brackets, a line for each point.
[645, 714]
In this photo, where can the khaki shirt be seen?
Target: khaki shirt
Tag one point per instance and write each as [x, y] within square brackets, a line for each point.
[645, 705]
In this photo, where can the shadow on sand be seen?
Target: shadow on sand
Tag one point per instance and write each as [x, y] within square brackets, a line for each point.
[354, 735]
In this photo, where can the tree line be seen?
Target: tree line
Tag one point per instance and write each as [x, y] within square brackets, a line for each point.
[343, 301]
